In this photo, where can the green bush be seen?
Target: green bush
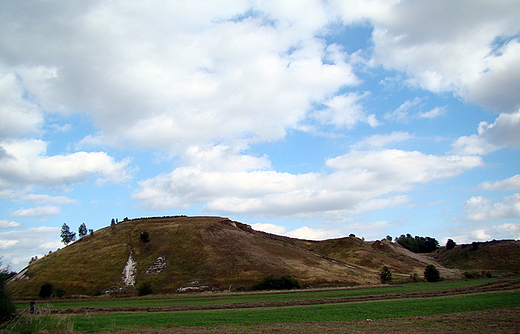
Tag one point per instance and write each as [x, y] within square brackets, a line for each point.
[431, 274]
[286, 282]
[385, 276]
[144, 289]
[7, 307]
[46, 290]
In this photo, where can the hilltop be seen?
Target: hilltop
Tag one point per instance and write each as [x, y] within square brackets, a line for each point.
[210, 253]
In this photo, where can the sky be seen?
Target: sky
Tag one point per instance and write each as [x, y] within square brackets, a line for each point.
[313, 119]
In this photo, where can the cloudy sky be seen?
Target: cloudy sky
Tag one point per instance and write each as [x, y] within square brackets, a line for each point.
[310, 118]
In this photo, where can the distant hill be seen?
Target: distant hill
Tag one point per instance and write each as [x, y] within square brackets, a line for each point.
[496, 255]
[210, 253]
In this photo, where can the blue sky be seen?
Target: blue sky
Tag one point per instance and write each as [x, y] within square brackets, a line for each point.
[310, 119]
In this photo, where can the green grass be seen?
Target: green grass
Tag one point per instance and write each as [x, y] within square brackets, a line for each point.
[296, 314]
[218, 299]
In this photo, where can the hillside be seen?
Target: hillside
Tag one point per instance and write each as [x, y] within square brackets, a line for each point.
[198, 253]
[496, 255]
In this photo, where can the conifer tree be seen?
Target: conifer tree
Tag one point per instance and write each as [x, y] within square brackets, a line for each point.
[82, 231]
[66, 235]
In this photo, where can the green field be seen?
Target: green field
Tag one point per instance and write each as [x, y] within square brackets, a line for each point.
[230, 298]
[342, 312]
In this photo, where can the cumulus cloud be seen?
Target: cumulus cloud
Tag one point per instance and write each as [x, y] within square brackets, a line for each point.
[18, 116]
[453, 47]
[480, 209]
[28, 164]
[491, 137]
[380, 141]
[9, 224]
[179, 82]
[19, 246]
[308, 233]
[39, 211]
[46, 199]
[504, 131]
[270, 228]
[359, 181]
[512, 183]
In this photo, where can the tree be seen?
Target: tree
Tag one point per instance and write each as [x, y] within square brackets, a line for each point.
[385, 276]
[82, 231]
[389, 238]
[450, 244]
[66, 235]
[417, 244]
[431, 274]
[46, 290]
[7, 307]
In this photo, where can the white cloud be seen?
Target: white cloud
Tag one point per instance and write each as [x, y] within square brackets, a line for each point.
[39, 211]
[345, 111]
[446, 46]
[512, 183]
[19, 246]
[9, 224]
[402, 114]
[46, 199]
[480, 209]
[270, 228]
[308, 233]
[435, 112]
[504, 132]
[472, 145]
[359, 181]
[18, 116]
[379, 141]
[26, 163]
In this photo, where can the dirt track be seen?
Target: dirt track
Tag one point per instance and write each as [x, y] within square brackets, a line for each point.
[491, 286]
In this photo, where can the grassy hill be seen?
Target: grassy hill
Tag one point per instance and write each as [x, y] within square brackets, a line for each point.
[197, 253]
[497, 255]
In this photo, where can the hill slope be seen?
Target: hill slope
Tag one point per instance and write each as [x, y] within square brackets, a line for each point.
[206, 253]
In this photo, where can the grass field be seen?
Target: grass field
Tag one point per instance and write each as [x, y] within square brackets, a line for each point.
[230, 298]
[234, 318]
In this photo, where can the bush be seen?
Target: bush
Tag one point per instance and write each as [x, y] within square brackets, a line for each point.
[145, 237]
[450, 244]
[431, 274]
[286, 282]
[471, 275]
[385, 276]
[144, 289]
[7, 307]
[46, 290]
[60, 292]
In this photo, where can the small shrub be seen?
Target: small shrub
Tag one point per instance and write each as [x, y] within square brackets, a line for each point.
[60, 292]
[450, 244]
[144, 289]
[431, 274]
[415, 278]
[286, 282]
[145, 237]
[471, 275]
[385, 276]
[46, 290]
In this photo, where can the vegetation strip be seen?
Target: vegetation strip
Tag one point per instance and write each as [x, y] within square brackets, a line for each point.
[486, 287]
